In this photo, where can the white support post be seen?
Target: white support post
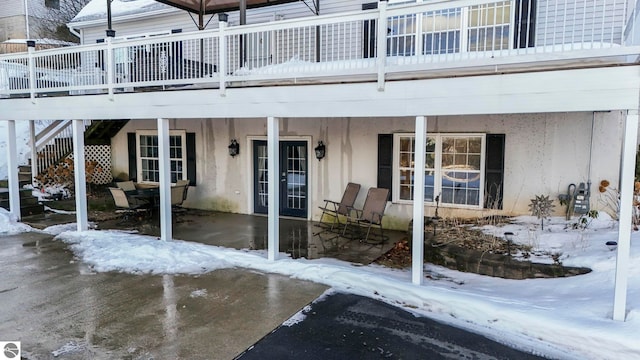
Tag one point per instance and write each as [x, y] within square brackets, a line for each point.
[34, 151]
[222, 54]
[624, 222]
[110, 68]
[80, 175]
[165, 180]
[419, 47]
[12, 169]
[273, 164]
[417, 246]
[32, 74]
[381, 43]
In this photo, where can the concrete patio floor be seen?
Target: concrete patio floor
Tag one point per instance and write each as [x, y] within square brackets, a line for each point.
[298, 238]
[59, 308]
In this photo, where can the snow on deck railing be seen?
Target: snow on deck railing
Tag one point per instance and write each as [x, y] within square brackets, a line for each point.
[418, 37]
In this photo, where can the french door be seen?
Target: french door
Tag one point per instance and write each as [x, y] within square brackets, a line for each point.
[292, 178]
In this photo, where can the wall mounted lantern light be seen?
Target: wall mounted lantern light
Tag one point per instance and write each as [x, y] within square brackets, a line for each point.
[320, 150]
[234, 148]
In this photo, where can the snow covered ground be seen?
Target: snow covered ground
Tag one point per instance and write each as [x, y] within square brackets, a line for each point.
[564, 318]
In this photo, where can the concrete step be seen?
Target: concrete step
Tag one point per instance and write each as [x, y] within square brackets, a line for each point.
[21, 182]
[29, 205]
[26, 210]
[29, 210]
[24, 193]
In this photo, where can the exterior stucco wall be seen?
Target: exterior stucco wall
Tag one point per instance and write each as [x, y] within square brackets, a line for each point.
[544, 153]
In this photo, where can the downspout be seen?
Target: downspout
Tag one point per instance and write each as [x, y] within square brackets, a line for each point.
[317, 8]
[242, 8]
[76, 33]
[593, 121]
[26, 19]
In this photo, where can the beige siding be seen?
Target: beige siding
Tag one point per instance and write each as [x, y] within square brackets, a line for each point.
[10, 8]
[544, 154]
[582, 21]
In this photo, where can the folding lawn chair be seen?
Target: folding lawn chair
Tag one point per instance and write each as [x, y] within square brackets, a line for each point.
[333, 210]
[369, 216]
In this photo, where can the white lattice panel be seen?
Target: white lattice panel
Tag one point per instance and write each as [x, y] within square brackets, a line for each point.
[101, 154]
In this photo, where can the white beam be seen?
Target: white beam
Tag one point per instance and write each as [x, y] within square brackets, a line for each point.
[417, 246]
[12, 170]
[598, 89]
[80, 175]
[624, 223]
[273, 164]
[165, 179]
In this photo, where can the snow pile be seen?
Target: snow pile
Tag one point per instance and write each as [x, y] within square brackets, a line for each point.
[97, 9]
[9, 225]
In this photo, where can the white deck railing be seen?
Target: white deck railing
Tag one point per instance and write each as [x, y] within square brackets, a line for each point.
[54, 144]
[434, 35]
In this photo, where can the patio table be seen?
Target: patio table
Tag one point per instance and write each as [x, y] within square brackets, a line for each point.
[149, 195]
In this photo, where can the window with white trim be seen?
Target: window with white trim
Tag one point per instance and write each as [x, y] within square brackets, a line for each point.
[486, 27]
[52, 4]
[454, 169]
[148, 156]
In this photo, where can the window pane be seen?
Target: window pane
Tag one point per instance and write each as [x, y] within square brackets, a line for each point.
[429, 178]
[475, 145]
[400, 36]
[430, 162]
[457, 175]
[149, 154]
[406, 185]
[406, 144]
[461, 145]
[474, 162]
[489, 27]
[447, 160]
[461, 170]
[406, 151]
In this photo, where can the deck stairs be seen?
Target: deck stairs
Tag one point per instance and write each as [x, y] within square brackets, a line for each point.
[53, 145]
[29, 204]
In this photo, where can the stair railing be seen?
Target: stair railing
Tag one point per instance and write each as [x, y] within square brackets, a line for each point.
[53, 144]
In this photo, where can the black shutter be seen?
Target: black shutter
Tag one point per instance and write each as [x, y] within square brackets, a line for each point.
[369, 33]
[525, 24]
[133, 160]
[191, 158]
[385, 162]
[494, 171]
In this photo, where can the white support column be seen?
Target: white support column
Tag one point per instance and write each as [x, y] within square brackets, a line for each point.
[12, 170]
[32, 74]
[110, 66]
[80, 175]
[273, 164]
[34, 151]
[624, 223]
[381, 43]
[222, 53]
[417, 245]
[165, 180]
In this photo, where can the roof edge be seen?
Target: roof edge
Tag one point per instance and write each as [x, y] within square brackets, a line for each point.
[122, 18]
